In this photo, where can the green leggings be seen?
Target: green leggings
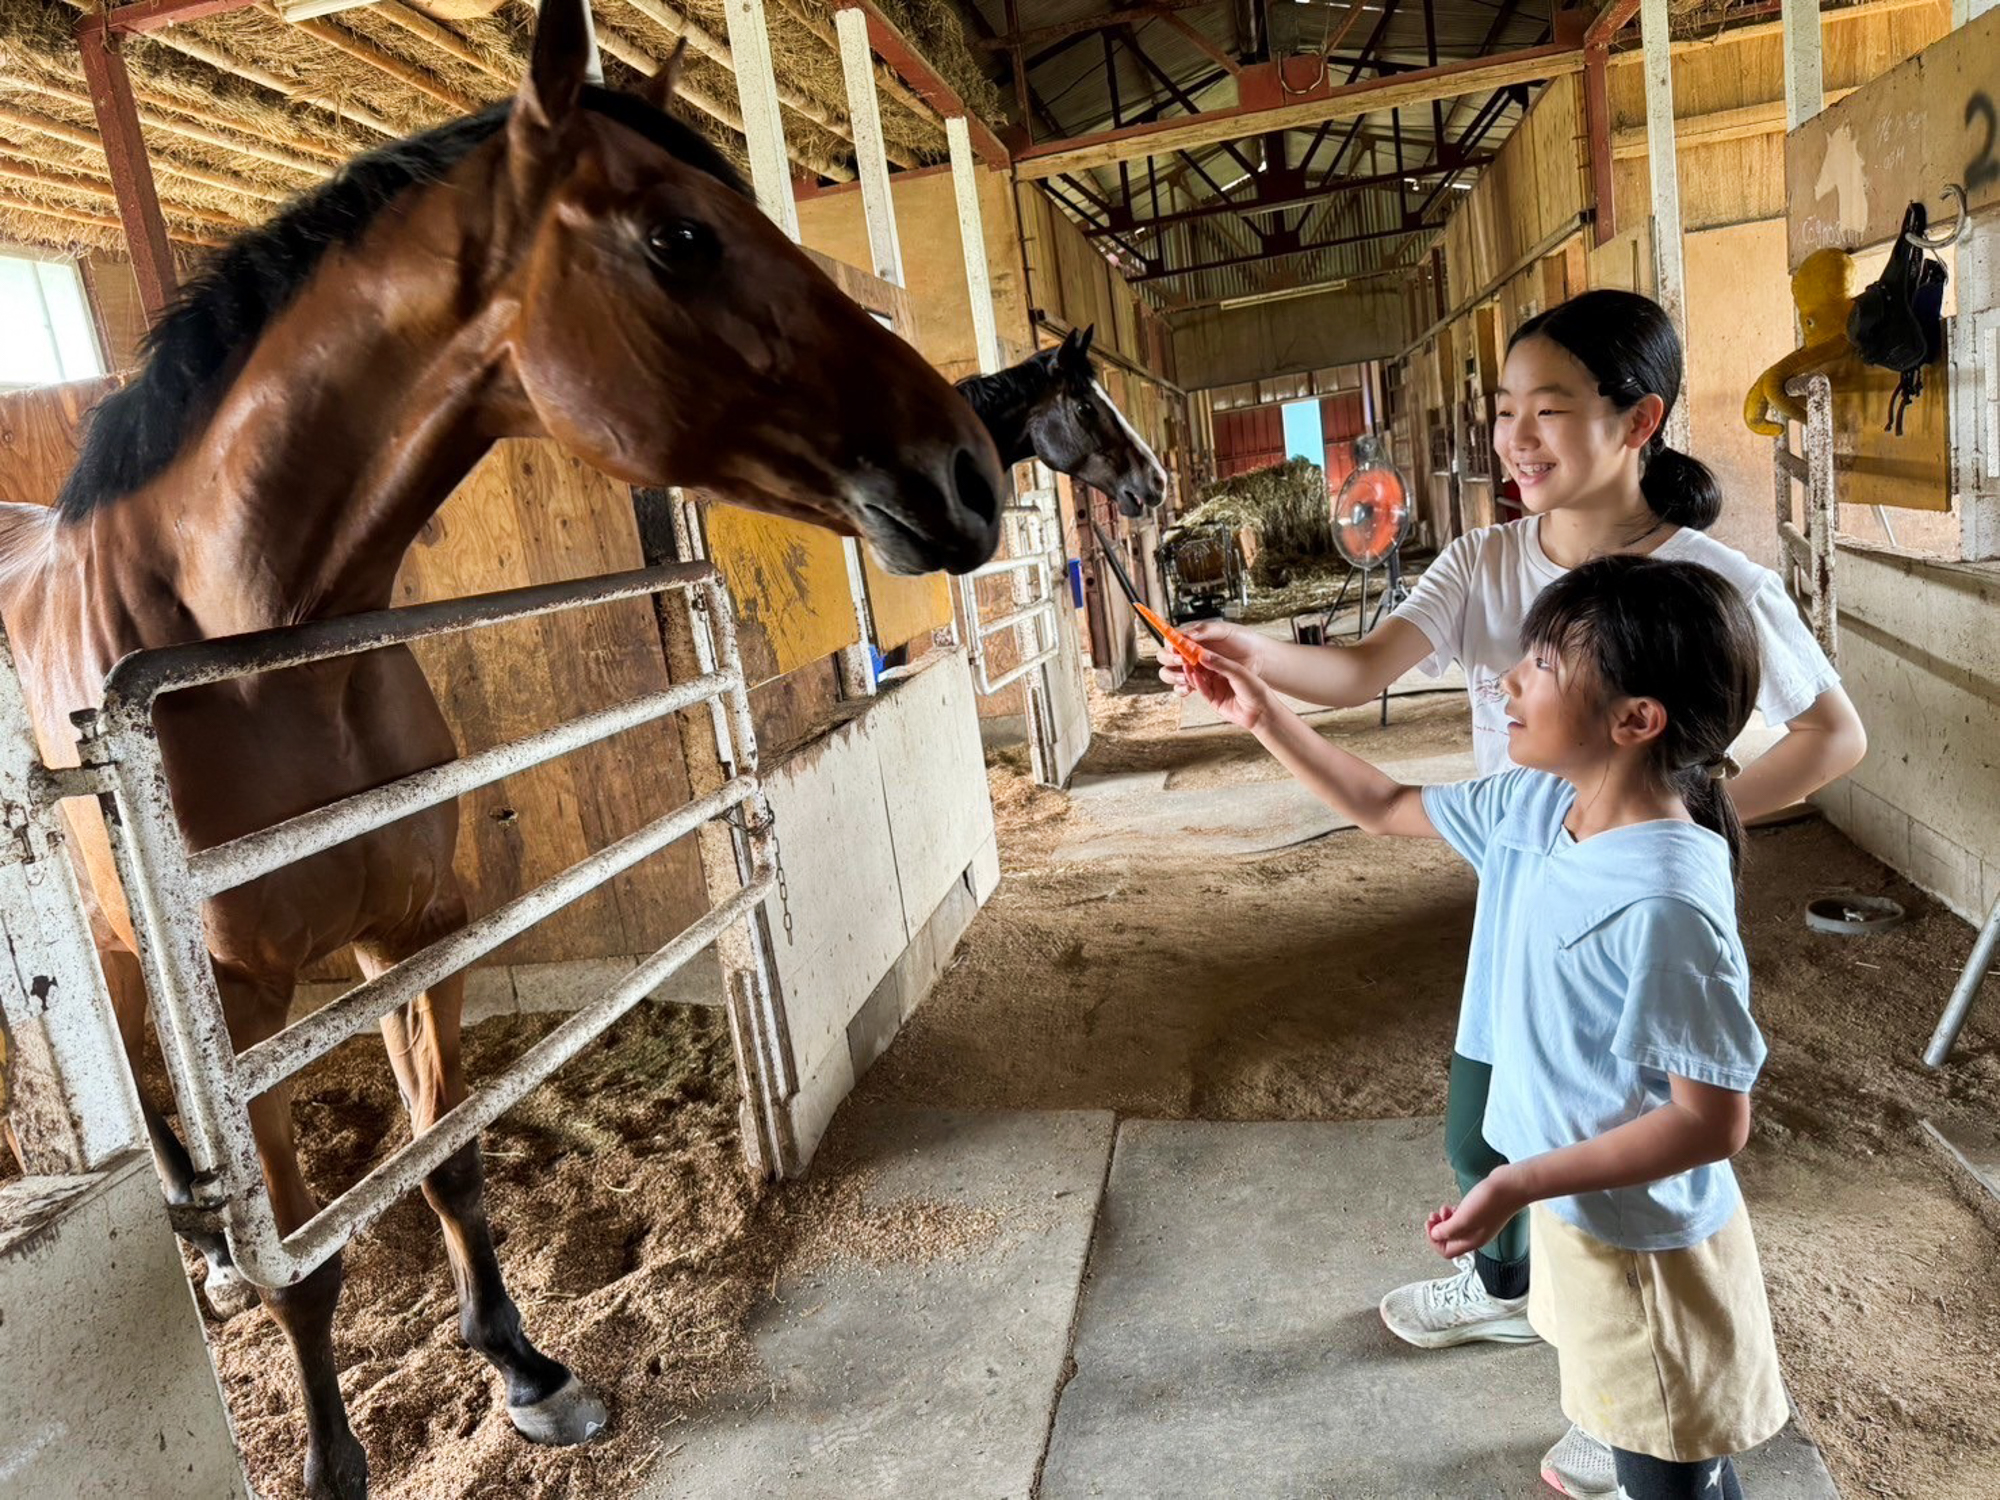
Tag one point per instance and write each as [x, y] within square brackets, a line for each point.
[1470, 1156]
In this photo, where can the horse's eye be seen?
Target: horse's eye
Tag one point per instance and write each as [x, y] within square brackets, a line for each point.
[683, 247]
[1085, 411]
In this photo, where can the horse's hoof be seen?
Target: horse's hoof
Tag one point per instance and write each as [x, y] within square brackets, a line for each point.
[228, 1292]
[341, 1474]
[572, 1415]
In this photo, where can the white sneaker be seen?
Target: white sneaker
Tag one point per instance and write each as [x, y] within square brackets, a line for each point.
[1456, 1310]
[1581, 1467]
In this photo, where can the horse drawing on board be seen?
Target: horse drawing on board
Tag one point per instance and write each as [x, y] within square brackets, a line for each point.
[572, 263]
[1052, 406]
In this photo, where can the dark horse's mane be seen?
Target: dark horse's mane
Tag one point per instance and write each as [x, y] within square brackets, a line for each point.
[135, 432]
[1017, 385]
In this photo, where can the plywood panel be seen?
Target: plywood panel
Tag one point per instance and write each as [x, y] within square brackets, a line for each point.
[1850, 171]
[789, 581]
[531, 514]
[39, 434]
[1877, 467]
[905, 609]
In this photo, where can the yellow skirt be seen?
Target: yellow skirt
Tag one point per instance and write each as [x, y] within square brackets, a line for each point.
[1667, 1353]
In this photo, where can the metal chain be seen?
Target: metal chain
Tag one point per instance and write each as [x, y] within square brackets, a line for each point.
[736, 818]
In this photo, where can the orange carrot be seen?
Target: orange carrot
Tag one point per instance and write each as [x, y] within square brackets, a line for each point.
[1188, 650]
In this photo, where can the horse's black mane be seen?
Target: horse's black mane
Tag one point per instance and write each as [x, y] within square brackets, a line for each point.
[1016, 386]
[135, 432]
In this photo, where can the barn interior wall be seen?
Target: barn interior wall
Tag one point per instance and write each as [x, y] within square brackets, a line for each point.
[1215, 346]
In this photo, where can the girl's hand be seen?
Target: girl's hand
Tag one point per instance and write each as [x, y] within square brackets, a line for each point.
[1232, 689]
[1482, 1214]
[1217, 637]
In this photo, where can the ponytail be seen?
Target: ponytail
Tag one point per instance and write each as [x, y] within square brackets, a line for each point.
[1674, 632]
[1703, 793]
[1629, 346]
[1679, 488]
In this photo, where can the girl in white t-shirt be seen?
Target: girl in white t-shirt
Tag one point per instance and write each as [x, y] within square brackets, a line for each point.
[1577, 424]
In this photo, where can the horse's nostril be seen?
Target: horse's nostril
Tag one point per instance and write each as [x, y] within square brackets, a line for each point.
[974, 492]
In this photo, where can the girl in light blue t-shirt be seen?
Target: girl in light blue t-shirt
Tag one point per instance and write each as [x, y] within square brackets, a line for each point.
[1608, 990]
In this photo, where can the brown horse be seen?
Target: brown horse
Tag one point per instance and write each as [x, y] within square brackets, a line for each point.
[573, 263]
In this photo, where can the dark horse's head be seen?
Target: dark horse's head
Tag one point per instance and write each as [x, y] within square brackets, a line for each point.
[1051, 407]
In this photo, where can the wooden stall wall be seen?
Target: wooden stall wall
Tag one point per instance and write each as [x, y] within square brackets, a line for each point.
[528, 514]
[933, 263]
[1216, 346]
[1729, 107]
[1533, 193]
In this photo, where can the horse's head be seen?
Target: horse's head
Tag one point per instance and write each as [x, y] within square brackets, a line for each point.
[1077, 431]
[668, 333]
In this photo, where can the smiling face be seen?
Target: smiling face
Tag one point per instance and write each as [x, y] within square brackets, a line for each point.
[1557, 720]
[1556, 436]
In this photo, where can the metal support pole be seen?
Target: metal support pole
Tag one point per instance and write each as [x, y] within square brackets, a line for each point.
[1661, 158]
[763, 126]
[1969, 980]
[131, 169]
[1804, 94]
[878, 205]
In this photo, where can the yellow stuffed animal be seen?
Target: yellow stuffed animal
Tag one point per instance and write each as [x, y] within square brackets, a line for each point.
[1823, 292]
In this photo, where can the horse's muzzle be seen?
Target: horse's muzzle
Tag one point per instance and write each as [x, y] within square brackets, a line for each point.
[944, 513]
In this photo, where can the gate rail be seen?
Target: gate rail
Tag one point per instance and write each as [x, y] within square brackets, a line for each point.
[165, 886]
[1807, 557]
[1034, 622]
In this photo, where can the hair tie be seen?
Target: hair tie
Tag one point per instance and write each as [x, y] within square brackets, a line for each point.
[1722, 768]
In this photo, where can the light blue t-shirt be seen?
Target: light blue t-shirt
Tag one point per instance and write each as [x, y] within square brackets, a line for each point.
[1597, 969]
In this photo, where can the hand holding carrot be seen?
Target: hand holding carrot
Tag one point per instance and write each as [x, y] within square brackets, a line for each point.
[1232, 689]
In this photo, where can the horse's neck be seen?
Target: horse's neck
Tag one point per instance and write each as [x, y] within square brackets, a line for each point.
[1004, 408]
[345, 429]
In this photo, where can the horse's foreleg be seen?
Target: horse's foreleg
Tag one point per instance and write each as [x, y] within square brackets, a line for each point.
[545, 1402]
[336, 1466]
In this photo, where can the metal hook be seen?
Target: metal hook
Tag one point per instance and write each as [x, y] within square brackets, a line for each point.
[1923, 242]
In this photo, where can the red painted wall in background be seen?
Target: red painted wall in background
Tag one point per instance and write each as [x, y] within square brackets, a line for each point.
[1254, 438]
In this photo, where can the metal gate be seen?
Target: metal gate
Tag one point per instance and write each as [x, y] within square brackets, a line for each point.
[1806, 557]
[1048, 656]
[166, 884]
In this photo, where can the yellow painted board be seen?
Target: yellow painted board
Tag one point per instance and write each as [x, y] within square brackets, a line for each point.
[788, 580]
[1851, 170]
[905, 609]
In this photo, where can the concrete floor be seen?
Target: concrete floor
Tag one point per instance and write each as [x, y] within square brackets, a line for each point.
[1216, 1305]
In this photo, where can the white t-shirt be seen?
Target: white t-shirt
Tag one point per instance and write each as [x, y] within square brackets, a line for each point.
[1471, 601]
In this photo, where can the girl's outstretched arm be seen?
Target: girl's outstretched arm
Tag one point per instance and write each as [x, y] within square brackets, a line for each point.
[1346, 783]
[1698, 1125]
[1339, 676]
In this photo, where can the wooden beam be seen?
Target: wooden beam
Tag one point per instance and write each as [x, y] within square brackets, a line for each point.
[85, 188]
[907, 63]
[151, 15]
[1448, 81]
[763, 125]
[878, 204]
[76, 135]
[1257, 256]
[1278, 201]
[1716, 126]
[131, 174]
[1663, 166]
[98, 221]
[972, 243]
[1597, 141]
[1803, 87]
[366, 52]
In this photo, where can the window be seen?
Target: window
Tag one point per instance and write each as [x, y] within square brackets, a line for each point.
[46, 332]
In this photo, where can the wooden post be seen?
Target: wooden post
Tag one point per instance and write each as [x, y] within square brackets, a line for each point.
[1597, 129]
[1662, 161]
[871, 161]
[1804, 93]
[972, 243]
[131, 171]
[763, 126]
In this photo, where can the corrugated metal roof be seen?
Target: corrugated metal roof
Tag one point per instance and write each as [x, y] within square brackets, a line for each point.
[1097, 80]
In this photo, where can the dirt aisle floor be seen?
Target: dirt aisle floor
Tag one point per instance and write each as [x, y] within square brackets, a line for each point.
[1321, 982]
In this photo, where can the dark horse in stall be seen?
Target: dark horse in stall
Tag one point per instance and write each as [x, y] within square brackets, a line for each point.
[572, 263]
[1051, 406]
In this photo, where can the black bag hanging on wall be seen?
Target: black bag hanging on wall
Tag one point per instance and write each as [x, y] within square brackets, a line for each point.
[1898, 323]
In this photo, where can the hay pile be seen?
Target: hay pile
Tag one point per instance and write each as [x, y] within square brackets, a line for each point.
[1287, 506]
[243, 110]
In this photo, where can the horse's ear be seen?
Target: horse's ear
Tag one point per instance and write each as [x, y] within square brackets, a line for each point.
[1076, 348]
[1083, 341]
[558, 65]
[660, 89]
